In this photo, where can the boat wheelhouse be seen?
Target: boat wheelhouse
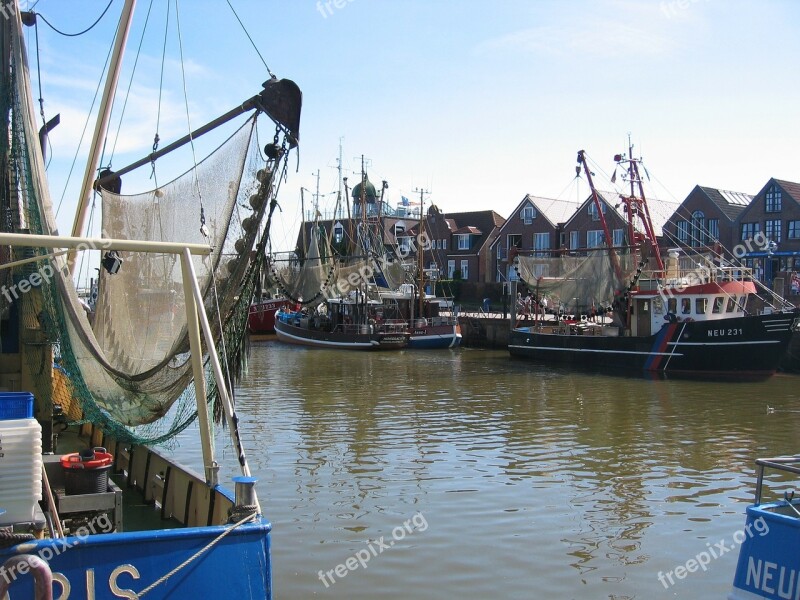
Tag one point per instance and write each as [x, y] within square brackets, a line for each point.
[429, 328]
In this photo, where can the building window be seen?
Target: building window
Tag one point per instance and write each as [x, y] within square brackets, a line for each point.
[463, 241]
[404, 245]
[451, 268]
[794, 230]
[514, 239]
[773, 201]
[698, 229]
[712, 226]
[338, 233]
[594, 238]
[772, 229]
[444, 244]
[592, 210]
[618, 236]
[528, 214]
[749, 230]
[541, 241]
[574, 240]
[465, 269]
[682, 231]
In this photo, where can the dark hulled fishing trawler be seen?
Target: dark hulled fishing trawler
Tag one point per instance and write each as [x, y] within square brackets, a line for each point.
[709, 319]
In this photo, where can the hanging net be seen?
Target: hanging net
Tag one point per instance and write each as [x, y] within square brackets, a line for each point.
[590, 279]
[127, 364]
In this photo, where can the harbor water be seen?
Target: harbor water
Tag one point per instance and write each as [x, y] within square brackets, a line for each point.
[466, 474]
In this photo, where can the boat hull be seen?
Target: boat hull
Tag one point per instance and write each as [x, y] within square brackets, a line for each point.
[769, 565]
[116, 564]
[435, 337]
[351, 340]
[745, 346]
[261, 317]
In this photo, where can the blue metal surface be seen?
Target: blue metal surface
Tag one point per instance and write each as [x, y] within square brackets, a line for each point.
[104, 566]
[769, 561]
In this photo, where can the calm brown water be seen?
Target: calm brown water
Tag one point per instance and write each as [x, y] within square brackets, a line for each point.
[516, 480]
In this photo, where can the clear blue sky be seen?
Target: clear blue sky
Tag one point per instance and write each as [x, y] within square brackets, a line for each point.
[479, 102]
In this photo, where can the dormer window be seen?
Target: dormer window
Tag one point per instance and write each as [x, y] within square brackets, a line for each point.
[528, 214]
[773, 199]
[462, 241]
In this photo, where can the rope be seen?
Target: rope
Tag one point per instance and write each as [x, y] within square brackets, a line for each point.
[85, 128]
[186, 104]
[130, 81]
[233, 10]
[87, 30]
[8, 539]
[195, 556]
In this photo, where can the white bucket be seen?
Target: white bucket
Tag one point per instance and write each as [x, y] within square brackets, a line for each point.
[20, 469]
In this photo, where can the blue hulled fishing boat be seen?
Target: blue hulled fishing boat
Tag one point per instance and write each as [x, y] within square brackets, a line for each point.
[109, 375]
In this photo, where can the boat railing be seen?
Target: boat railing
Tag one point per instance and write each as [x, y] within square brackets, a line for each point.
[786, 464]
[394, 326]
[700, 274]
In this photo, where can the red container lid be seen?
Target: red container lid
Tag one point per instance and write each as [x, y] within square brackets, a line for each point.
[93, 459]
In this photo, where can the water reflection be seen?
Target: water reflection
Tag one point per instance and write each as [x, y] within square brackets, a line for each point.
[532, 479]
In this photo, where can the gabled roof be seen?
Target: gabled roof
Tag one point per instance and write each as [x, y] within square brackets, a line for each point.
[610, 199]
[730, 203]
[660, 210]
[479, 222]
[467, 229]
[555, 210]
[791, 188]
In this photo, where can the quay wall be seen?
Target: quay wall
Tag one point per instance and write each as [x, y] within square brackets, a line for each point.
[482, 331]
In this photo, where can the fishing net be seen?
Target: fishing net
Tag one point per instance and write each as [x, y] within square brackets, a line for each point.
[128, 364]
[589, 279]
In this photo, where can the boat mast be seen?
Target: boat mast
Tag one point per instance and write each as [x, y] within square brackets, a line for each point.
[599, 207]
[81, 214]
[420, 249]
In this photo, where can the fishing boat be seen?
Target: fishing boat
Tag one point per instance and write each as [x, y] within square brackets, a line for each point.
[261, 316]
[769, 565]
[429, 328]
[639, 312]
[351, 322]
[334, 293]
[139, 365]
